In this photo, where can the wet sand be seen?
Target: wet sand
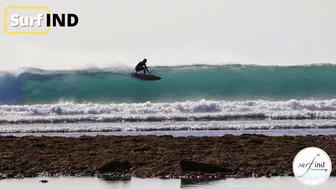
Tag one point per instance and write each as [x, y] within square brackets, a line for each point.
[136, 183]
[121, 157]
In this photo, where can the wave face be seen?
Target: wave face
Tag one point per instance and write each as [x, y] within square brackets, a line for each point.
[227, 82]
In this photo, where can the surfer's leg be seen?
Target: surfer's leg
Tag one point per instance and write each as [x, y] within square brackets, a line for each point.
[142, 68]
[137, 69]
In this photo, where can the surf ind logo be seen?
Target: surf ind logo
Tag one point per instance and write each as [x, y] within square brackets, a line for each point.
[312, 166]
[35, 20]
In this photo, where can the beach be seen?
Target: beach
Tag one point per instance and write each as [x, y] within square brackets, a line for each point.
[190, 158]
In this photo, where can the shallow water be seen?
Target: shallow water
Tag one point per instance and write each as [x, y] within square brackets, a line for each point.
[179, 128]
[136, 183]
[275, 132]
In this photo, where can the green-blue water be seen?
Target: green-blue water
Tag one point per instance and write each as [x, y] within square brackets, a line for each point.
[229, 82]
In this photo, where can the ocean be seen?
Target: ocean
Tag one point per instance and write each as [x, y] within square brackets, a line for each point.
[193, 97]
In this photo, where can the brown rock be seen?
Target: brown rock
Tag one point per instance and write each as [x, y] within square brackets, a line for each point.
[190, 166]
[157, 156]
[113, 166]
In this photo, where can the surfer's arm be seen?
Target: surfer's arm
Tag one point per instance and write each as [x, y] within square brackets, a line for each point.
[147, 69]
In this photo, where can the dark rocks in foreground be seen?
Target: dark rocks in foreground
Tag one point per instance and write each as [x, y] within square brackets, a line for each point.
[115, 166]
[192, 159]
[190, 166]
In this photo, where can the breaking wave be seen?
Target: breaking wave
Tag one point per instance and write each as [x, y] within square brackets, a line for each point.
[179, 83]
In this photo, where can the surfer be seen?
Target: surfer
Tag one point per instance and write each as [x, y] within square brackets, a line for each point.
[141, 66]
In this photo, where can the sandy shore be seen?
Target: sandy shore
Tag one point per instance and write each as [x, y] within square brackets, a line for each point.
[120, 157]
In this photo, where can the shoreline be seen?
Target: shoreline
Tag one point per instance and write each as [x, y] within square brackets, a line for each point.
[187, 158]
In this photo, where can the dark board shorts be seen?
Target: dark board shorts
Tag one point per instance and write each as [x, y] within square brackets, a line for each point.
[139, 68]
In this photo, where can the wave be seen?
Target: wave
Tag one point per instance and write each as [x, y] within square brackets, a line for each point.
[180, 83]
[201, 128]
[203, 110]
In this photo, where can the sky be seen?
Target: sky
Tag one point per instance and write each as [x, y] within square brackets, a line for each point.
[167, 33]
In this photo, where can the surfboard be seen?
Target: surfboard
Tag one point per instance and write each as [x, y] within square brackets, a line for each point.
[146, 77]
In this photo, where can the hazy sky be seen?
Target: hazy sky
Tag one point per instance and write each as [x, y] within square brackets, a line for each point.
[171, 32]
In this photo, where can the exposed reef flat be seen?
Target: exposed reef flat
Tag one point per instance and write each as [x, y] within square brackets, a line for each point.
[121, 157]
